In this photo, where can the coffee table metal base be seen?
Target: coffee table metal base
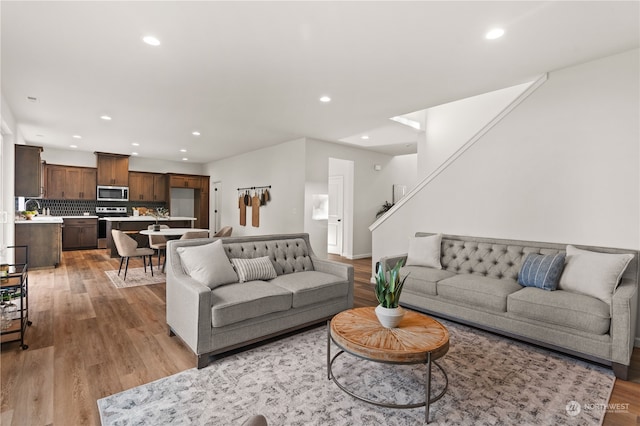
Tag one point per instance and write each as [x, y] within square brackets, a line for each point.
[427, 400]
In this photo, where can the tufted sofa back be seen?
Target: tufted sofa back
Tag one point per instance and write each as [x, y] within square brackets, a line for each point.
[502, 259]
[287, 255]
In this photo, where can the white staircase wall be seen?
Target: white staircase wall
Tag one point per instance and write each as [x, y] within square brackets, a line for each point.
[451, 125]
[562, 167]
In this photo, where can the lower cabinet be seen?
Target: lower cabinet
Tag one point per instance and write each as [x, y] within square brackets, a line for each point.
[43, 240]
[80, 234]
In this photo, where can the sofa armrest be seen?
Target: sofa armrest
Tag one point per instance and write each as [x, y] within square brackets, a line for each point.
[390, 261]
[341, 270]
[188, 307]
[624, 311]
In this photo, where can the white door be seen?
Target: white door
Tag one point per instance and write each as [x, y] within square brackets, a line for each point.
[216, 206]
[336, 211]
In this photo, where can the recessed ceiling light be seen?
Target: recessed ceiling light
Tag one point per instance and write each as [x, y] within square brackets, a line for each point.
[151, 40]
[76, 137]
[325, 99]
[195, 133]
[134, 153]
[494, 34]
[105, 117]
[365, 137]
[73, 146]
[183, 150]
[185, 159]
[135, 144]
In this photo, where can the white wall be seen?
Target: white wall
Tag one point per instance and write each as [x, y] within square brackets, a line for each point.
[282, 167]
[371, 188]
[563, 167]
[68, 157]
[451, 125]
[10, 137]
[297, 170]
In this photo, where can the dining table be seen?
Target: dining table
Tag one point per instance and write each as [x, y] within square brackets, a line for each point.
[171, 232]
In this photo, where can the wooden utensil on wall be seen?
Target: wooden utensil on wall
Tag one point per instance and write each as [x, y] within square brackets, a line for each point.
[255, 210]
[243, 211]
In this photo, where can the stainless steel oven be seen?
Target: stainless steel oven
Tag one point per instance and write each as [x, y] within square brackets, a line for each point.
[102, 213]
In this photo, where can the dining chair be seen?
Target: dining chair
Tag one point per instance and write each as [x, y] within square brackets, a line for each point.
[189, 235]
[159, 242]
[224, 232]
[128, 247]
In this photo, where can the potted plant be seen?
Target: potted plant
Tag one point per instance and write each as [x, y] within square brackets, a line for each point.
[388, 288]
[158, 213]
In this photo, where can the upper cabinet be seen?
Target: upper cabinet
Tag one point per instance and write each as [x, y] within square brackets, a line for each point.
[113, 169]
[28, 171]
[145, 186]
[70, 183]
[185, 181]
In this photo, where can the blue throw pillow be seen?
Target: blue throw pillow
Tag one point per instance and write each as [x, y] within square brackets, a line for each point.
[541, 271]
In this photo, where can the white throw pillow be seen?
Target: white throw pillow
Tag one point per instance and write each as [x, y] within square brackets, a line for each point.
[425, 251]
[208, 264]
[259, 268]
[592, 273]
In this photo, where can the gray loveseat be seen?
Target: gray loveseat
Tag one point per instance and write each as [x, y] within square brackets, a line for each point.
[212, 319]
[478, 285]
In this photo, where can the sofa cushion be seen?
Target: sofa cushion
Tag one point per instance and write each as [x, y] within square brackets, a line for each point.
[259, 268]
[541, 271]
[311, 287]
[423, 280]
[242, 301]
[425, 251]
[592, 273]
[207, 264]
[478, 291]
[564, 308]
[288, 255]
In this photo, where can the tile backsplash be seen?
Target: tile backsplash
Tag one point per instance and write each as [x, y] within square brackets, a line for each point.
[79, 207]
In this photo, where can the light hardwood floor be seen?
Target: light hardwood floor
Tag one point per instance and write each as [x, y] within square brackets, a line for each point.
[90, 340]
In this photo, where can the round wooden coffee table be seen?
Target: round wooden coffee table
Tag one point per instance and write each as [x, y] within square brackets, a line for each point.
[418, 339]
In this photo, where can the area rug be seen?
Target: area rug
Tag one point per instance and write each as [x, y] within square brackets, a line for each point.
[135, 277]
[492, 381]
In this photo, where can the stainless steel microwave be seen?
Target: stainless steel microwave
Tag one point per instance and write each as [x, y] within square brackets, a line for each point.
[113, 193]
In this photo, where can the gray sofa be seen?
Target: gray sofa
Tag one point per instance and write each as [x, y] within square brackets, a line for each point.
[210, 321]
[478, 285]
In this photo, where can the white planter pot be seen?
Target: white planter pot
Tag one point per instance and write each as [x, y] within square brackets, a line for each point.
[389, 317]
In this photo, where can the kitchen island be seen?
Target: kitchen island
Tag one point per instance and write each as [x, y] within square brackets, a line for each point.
[132, 224]
[43, 236]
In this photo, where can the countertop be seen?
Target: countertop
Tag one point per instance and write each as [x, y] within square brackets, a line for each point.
[146, 219]
[41, 220]
[53, 219]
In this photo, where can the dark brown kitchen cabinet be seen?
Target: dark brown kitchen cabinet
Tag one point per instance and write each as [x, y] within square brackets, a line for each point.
[28, 171]
[203, 204]
[43, 240]
[160, 188]
[113, 169]
[140, 186]
[185, 181]
[145, 186]
[79, 233]
[70, 182]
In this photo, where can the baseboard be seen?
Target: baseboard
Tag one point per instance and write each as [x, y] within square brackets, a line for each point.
[358, 256]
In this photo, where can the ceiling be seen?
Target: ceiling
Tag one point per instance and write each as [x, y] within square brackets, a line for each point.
[247, 75]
